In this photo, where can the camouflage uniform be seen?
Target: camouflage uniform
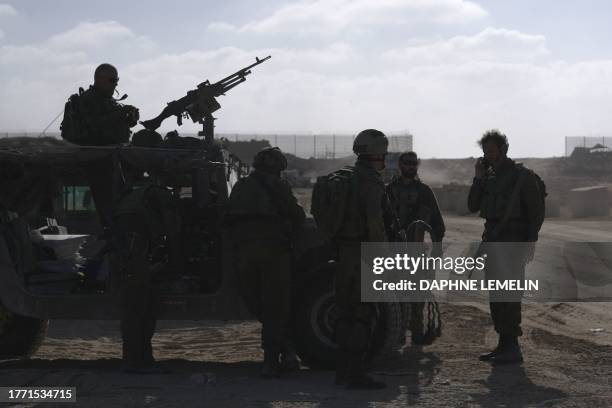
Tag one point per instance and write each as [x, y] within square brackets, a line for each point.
[491, 196]
[143, 217]
[364, 223]
[262, 214]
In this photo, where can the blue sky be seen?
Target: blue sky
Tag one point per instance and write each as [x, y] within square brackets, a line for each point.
[444, 70]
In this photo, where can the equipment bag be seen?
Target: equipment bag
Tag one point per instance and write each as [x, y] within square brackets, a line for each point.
[72, 127]
[330, 199]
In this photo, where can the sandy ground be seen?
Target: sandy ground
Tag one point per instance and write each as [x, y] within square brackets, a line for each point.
[214, 364]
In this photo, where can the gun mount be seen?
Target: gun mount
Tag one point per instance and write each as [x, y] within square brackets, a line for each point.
[200, 103]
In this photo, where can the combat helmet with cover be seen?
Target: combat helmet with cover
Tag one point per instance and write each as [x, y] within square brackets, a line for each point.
[370, 142]
[270, 160]
[146, 138]
[331, 195]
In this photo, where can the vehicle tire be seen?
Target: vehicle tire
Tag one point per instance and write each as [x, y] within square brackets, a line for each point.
[20, 336]
[389, 330]
[314, 320]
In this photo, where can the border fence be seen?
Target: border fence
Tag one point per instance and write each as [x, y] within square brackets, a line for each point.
[589, 143]
[318, 146]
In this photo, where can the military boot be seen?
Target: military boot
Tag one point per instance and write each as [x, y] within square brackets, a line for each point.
[289, 361]
[357, 378]
[364, 382]
[271, 365]
[510, 354]
[491, 354]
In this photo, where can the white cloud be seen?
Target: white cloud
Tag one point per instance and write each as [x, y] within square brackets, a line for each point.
[28, 54]
[1, 34]
[491, 44]
[96, 42]
[7, 10]
[331, 16]
[221, 27]
[97, 34]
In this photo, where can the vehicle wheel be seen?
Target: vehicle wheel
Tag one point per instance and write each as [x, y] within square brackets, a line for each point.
[20, 336]
[389, 330]
[314, 321]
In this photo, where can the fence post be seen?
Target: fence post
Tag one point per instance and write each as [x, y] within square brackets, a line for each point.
[334, 146]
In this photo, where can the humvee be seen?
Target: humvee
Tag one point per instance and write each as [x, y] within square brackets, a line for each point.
[56, 263]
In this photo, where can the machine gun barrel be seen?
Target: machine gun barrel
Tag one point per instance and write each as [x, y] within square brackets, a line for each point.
[242, 73]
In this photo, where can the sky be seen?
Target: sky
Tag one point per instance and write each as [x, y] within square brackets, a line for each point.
[443, 70]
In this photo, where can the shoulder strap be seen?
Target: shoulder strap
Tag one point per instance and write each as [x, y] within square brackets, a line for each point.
[513, 199]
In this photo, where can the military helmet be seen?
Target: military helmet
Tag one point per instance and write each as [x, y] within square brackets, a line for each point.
[270, 159]
[146, 138]
[370, 141]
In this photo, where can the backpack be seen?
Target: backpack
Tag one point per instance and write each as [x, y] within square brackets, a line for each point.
[72, 127]
[330, 200]
[542, 195]
[541, 187]
[524, 172]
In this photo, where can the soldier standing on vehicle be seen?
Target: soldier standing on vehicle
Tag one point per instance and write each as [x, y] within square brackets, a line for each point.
[146, 217]
[94, 118]
[510, 198]
[412, 200]
[262, 215]
[363, 222]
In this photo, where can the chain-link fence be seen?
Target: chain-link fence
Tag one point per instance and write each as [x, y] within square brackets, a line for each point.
[588, 143]
[323, 146]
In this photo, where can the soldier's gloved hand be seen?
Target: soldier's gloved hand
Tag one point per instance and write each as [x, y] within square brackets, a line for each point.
[132, 114]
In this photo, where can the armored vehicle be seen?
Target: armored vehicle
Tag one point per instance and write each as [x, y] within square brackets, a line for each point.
[57, 262]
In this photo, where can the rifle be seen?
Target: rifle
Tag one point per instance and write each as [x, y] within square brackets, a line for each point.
[200, 103]
[414, 232]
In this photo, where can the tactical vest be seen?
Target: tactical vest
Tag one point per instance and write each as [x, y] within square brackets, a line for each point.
[497, 194]
[408, 203]
[250, 198]
[88, 106]
[354, 224]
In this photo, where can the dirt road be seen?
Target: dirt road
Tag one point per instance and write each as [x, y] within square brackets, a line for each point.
[216, 365]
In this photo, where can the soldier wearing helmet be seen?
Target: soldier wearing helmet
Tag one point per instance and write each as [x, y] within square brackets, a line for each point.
[262, 216]
[363, 223]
